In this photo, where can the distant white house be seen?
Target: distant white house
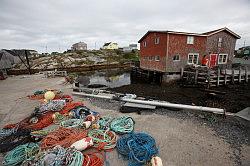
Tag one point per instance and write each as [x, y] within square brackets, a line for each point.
[130, 48]
[79, 46]
[110, 46]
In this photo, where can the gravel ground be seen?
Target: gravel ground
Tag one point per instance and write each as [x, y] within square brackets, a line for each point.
[183, 137]
[233, 130]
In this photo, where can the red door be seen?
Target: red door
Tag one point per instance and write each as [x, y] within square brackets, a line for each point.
[213, 60]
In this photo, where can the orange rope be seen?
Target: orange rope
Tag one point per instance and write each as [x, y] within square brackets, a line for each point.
[63, 136]
[92, 159]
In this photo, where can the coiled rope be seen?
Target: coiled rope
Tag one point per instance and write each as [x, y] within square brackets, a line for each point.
[17, 138]
[93, 159]
[104, 122]
[63, 136]
[103, 139]
[20, 153]
[122, 125]
[137, 147]
[73, 123]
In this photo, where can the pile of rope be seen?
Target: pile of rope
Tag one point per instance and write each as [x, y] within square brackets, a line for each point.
[139, 148]
[10, 141]
[58, 132]
[20, 154]
[103, 139]
[122, 125]
[63, 136]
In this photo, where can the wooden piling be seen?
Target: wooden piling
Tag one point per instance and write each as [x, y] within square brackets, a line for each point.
[246, 74]
[232, 76]
[196, 76]
[182, 70]
[208, 78]
[225, 78]
[240, 75]
[218, 76]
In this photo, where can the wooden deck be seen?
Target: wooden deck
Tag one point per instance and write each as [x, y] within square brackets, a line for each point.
[209, 77]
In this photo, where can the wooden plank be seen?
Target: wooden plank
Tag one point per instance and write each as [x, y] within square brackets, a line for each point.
[139, 105]
[246, 74]
[218, 77]
[240, 73]
[208, 77]
[225, 78]
[233, 76]
[195, 77]
[182, 71]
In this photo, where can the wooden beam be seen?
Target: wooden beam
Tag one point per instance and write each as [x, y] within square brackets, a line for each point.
[232, 76]
[196, 76]
[218, 77]
[225, 78]
[246, 74]
[240, 75]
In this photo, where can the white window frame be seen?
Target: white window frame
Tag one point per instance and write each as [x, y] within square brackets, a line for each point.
[157, 58]
[190, 39]
[219, 62]
[145, 44]
[157, 40]
[193, 54]
[219, 41]
[177, 59]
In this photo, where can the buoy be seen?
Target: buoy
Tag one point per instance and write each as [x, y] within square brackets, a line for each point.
[156, 161]
[87, 124]
[83, 143]
[49, 95]
[95, 126]
[90, 118]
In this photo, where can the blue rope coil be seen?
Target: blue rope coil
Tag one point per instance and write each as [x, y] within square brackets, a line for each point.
[138, 148]
[82, 112]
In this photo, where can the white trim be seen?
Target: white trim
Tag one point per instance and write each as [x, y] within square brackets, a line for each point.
[193, 59]
[157, 40]
[156, 58]
[190, 39]
[222, 59]
[178, 59]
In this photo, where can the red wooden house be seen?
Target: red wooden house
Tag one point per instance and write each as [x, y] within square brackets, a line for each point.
[168, 51]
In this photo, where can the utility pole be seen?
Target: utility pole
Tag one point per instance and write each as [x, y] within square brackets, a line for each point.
[95, 45]
[244, 43]
[27, 59]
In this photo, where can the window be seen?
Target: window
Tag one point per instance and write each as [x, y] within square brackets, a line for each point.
[145, 44]
[157, 58]
[193, 58]
[176, 58]
[222, 59]
[145, 58]
[219, 42]
[157, 40]
[190, 40]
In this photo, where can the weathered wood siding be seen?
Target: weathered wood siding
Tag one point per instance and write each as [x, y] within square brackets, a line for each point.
[227, 45]
[178, 45]
[153, 49]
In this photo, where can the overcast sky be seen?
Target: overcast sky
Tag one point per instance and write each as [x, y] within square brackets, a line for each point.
[33, 24]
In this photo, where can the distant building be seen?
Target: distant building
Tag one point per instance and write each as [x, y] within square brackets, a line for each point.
[130, 48]
[79, 46]
[133, 46]
[110, 46]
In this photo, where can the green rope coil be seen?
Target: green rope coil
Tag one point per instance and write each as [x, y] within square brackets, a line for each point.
[104, 122]
[103, 139]
[122, 125]
[20, 154]
[72, 123]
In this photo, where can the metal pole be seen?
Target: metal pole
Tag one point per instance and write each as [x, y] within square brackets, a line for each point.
[157, 103]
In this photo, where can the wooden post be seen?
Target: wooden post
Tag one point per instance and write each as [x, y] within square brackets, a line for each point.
[246, 74]
[182, 70]
[232, 76]
[240, 75]
[218, 77]
[208, 78]
[196, 76]
[225, 78]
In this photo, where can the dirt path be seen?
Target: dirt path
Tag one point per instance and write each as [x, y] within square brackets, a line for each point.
[183, 138]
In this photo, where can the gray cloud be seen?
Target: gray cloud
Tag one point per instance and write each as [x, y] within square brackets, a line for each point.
[60, 23]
